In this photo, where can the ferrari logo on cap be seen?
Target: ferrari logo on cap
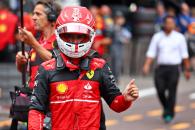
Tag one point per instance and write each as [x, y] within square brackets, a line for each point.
[61, 88]
[90, 74]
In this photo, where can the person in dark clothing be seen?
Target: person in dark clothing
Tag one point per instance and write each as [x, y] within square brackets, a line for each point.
[72, 83]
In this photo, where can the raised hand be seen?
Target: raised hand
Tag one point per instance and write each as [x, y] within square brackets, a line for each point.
[26, 36]
[131, 92]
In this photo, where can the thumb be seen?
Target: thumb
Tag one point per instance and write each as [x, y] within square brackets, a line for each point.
[132, 82]
[129, 86]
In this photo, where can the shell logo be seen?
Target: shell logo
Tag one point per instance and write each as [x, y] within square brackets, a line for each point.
[61, 88]
[3, 28]
[3, 16]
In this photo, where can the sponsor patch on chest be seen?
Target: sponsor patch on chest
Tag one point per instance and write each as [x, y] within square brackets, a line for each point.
[61, 88]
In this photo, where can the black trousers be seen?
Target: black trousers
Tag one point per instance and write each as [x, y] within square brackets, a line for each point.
[166, 81]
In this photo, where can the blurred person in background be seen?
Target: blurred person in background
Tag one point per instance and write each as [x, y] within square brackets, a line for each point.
[190, 35]
[8, 27]
[106, 13]
[170, 49]
[161, 13]
[14, 4]
[99, 25]
[184, 17]
[171, 11]
[101, 40]
[121, 36]
[28, 6]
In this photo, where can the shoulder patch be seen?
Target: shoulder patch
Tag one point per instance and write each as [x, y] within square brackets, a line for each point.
[97, 63]
[50, 64]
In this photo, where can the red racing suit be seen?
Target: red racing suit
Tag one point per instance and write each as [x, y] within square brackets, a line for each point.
[8, 25]
[73, 94]
[35, 59]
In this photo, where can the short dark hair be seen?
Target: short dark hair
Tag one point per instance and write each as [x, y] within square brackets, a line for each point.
[50, 6]
[167, 17]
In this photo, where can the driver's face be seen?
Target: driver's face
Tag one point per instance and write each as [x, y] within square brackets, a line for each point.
[74, 38]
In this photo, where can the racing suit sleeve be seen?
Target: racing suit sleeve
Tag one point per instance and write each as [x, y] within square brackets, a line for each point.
[39, 101]
[110, 92]
[35, 120]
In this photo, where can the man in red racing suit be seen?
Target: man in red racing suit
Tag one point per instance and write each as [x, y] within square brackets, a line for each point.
[41, 49]
[71, 84]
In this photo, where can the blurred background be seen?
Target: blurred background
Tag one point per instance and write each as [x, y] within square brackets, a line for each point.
[124, 49]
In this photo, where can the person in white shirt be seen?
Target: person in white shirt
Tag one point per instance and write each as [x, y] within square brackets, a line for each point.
[170, 49]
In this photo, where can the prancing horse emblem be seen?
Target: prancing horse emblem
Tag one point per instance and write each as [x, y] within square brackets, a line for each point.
[90, 74]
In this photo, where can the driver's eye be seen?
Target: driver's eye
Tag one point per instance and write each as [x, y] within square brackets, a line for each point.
[66, 37]
[80, 38]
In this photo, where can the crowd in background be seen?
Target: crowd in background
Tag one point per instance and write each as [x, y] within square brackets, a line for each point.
[9, 22]
[185, 23]
[111, 30]
[111, 33]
